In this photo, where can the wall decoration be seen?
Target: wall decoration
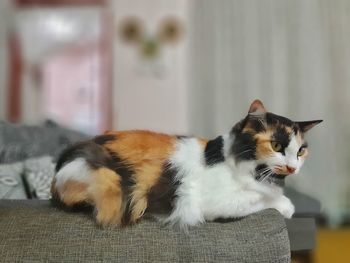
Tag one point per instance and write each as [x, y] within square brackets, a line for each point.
[150, 45]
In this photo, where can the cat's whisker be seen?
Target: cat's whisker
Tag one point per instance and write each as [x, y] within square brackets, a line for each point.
[266, 176]
[264, 173]
[246, 151]
[264, 170]
[263, 177]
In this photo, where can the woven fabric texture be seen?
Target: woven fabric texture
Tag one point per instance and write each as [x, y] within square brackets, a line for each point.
[34, 231]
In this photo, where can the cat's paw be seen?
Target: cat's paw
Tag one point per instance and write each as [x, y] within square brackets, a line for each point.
[285, 207]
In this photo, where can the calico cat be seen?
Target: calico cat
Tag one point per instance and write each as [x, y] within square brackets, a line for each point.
[188, 180]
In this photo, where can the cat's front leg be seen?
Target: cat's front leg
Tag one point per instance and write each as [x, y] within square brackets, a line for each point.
[284, 206]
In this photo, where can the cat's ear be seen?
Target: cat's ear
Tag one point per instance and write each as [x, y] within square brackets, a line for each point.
[257, 108]
[307, 125]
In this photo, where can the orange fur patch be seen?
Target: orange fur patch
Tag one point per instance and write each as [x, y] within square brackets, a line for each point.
[107, 196]
[202, 141]
[147, 152]
[74, 192]
[288, 129]
[263, 144]
[299, 138]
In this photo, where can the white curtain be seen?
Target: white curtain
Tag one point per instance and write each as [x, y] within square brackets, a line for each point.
[295, 56]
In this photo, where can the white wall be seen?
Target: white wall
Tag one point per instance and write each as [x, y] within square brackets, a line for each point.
[141, 100]
[295, 56]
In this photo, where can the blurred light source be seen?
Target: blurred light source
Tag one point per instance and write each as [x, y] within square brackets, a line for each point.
[56, 25]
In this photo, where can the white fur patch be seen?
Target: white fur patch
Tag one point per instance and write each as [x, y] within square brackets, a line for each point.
[291, 154]
[77, 170]
[189, 162]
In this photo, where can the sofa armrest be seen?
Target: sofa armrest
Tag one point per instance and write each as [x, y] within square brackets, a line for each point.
[35, 231]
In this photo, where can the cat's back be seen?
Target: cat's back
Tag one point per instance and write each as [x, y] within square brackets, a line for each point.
[138, 145]
[141, 145]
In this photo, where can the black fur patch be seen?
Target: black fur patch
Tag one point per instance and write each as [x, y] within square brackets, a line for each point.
[273, 119]
[258, 171]
[238, 127]
[162, 195]
[214, 151]
[283, 137]
[95, 155]
[126, 172]
[103, 139]
[181, 137]
[257, 125]
[296, 129]
[244, 147]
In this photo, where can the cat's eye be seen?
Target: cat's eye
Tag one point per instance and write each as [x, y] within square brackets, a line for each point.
[301, 151]
[277, 147]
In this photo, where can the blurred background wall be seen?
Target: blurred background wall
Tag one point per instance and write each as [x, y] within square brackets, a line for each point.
[294, 55]
[5, 8]
[152, 92]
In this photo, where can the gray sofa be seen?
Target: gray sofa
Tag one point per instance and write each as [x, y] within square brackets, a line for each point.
[34, 231]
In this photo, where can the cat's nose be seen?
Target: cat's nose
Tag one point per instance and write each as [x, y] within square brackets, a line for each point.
[290, 169]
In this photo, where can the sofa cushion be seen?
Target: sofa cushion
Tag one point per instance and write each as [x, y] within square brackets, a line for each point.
[28, 179]
[38, 173]
[11, 183]
[19, 142]
[34, 231]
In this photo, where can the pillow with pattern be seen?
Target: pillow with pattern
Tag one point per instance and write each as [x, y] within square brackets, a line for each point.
[38, 173]
[11, 183]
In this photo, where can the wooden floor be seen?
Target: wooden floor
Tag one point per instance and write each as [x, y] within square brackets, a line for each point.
[333, 245]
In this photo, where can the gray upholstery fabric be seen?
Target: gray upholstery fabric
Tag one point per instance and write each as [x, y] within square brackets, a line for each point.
[19, 142]
[33, 231]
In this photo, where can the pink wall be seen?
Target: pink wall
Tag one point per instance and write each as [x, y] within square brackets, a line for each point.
[73, 90]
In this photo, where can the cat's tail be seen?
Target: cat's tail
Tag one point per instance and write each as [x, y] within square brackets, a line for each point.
[84, 176]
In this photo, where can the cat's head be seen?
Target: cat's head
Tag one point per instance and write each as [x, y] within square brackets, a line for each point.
[275, 143]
